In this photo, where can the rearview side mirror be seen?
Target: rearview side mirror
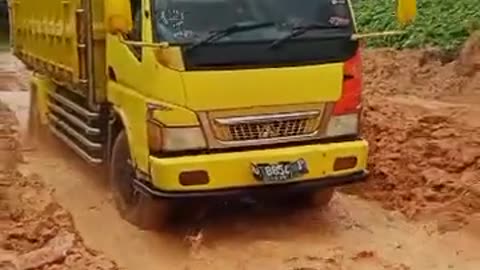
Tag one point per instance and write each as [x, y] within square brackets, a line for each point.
[406, 11]
[118, 16]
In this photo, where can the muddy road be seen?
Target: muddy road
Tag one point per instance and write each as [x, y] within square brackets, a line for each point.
[420, 209]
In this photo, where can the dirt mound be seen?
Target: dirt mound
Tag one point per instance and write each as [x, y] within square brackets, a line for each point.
[428, 73]
[425, 154]
[469, 59]
[35, 232]
[420, 157]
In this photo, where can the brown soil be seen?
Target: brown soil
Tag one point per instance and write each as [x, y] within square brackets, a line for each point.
[35, 231]
[13, 76]
[422, 126]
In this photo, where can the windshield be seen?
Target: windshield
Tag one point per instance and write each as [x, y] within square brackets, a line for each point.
[186, 21]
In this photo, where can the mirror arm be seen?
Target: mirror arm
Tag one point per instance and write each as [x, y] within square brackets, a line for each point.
[142, 44]
[377, 34]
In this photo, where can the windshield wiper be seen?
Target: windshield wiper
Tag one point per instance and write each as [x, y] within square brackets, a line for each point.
[234, 28]
[302, 29]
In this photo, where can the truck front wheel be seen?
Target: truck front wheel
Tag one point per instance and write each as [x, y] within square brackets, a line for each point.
[136, 207]
[320, 198]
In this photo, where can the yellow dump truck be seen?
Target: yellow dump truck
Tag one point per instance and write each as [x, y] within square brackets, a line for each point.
[184, 99]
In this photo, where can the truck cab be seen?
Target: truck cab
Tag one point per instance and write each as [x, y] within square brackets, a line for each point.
[184, 99]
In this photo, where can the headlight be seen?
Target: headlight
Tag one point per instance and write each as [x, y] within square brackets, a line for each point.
[343, 125]
[174, 139]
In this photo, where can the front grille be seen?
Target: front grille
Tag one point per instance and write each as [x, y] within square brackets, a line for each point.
[267, 127]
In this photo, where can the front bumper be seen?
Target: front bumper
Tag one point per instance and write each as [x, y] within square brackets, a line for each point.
[270, 190]
[230, 173]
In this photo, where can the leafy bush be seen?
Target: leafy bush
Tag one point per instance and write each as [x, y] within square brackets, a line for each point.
[440, 23]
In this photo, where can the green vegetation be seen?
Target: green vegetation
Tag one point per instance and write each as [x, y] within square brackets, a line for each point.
[441, 23]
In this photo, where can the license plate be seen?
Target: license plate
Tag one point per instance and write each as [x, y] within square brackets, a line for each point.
[279, 172]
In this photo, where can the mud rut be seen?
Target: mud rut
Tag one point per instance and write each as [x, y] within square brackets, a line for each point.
[419, 210]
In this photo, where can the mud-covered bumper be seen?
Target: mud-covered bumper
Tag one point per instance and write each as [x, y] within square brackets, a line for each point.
[231, 174]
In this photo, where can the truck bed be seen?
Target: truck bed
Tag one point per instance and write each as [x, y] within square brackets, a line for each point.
[51, 37]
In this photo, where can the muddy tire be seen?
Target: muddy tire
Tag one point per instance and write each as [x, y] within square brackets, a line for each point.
[139, 209]
[320, 198]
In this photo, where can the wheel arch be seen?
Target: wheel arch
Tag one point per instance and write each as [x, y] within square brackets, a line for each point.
[116, 124]
[120, 122]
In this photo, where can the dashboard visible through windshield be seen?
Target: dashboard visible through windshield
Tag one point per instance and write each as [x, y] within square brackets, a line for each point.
[187, 21]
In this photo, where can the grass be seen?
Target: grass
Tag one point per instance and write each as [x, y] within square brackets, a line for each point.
[440, 23]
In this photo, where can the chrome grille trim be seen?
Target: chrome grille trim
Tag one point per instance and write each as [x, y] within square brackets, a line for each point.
[209, 123]
[267, 118]
[266, 127]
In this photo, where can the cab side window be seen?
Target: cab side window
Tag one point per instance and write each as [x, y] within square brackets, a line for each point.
[136, 33]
